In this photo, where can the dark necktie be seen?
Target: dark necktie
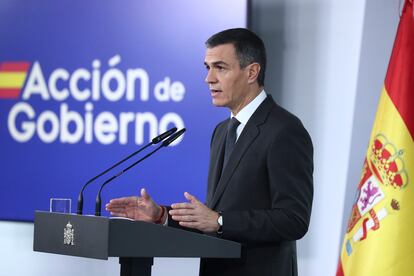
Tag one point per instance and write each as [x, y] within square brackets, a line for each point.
[230, 140]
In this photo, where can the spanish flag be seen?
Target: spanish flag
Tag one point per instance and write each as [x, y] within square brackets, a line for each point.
[379, 238]
[12, 78]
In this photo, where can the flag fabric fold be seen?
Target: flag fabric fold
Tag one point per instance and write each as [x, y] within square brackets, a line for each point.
[379, 238]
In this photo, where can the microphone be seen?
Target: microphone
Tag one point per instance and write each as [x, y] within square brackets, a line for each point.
[165, 143]
[154, 141]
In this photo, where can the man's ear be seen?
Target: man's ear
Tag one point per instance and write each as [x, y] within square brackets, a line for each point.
[253, 71]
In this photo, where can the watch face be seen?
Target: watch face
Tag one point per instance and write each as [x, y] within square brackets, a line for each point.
[220, 220]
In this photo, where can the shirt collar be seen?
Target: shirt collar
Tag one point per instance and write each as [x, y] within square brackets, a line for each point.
[246, 112]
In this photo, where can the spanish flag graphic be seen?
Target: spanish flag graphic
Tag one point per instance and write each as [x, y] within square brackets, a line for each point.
[12, 77]
[379, 238]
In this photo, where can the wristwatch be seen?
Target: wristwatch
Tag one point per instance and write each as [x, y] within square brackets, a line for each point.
[220, 223]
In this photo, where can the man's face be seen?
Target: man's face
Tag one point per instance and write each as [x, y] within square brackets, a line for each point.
[227, 82]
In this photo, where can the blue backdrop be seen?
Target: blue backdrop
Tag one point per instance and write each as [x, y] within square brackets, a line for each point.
[85, 83]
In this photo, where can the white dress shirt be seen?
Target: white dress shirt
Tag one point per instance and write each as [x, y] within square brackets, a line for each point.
[246, 112]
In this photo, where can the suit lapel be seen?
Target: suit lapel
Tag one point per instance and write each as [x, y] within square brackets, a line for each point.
[216, 162]
[248, 135]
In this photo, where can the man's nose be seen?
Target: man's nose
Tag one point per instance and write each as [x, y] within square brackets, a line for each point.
[210, 78]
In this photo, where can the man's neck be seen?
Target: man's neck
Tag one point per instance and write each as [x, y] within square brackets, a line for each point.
[248, 99]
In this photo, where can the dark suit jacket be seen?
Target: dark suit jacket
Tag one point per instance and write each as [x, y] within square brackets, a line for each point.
[265, 193]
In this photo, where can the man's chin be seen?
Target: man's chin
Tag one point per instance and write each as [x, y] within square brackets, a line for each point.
[218, 103]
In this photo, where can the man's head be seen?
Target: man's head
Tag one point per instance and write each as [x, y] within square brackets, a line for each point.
[236, 62]
[249, 48]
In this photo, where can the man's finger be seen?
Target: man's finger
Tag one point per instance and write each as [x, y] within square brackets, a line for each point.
[144, 194]
[189, 224]
[190, 197]
[180, 212]
[116, 206]
[122, 200]
[117, 201]
[182, 205]
[116, 214]
[117, 210]
[184, 218]
[113, 204]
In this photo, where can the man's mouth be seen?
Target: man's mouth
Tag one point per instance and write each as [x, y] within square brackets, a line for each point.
[214, 91]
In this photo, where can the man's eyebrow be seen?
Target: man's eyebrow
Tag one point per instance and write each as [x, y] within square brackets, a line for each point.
[216, 63]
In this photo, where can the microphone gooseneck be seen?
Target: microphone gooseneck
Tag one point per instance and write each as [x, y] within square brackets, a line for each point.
[166, 143]
[155, 140]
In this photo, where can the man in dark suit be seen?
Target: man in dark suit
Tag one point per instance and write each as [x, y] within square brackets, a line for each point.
[260, 185]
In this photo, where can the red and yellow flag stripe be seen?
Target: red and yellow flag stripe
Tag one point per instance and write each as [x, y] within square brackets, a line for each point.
[12, 77]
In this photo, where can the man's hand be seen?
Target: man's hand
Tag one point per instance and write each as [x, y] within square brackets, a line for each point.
[194, 214]
[135, 207]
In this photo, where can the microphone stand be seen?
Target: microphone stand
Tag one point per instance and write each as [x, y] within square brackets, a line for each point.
[156, 140]
[98, 202]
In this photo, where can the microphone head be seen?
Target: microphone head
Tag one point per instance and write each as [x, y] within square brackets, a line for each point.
[173, 137]
[164, 135]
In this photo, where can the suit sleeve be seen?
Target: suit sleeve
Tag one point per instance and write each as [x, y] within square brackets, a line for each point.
[289, 164]
[175, 224]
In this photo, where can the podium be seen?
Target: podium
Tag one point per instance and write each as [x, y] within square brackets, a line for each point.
[136, 243]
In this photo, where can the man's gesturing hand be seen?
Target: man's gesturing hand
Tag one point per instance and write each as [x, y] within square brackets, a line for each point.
[194, 214]
[135, 207]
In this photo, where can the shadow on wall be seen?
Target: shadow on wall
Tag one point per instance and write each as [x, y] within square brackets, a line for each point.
[273, 36]
[291, 31]
[379, 29]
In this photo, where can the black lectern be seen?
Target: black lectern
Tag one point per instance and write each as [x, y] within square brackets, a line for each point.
[136, 243]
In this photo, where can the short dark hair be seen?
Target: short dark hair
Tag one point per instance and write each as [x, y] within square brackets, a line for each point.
[249, 48]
